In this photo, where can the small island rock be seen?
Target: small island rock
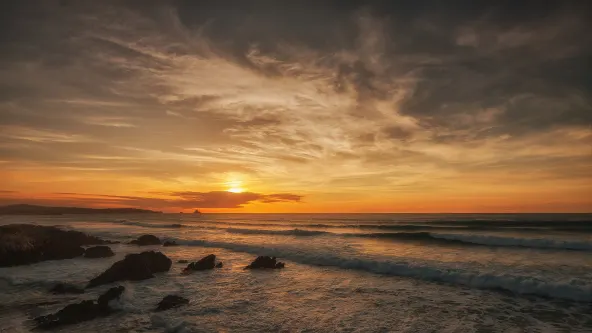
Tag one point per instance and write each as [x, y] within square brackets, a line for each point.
[265, 262]
[171, 301]
[207, 262]
[146, 240]
[79, 312]
[134, 267]
[101, 251]
[22, 244]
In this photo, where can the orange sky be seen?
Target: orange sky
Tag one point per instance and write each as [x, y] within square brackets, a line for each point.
[163, 110]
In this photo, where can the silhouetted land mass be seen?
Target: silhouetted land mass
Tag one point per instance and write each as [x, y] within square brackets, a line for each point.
[44, 210]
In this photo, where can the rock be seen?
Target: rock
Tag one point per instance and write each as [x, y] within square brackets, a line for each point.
[265, 262]
[170, 243]
[207, 262]
[219, 265]
[182, 261]
[62, 288]
[22, 244]
[146, 240]
[79, 312]
[134, 267]
[101, 251]
[111, 294]
[171, 301]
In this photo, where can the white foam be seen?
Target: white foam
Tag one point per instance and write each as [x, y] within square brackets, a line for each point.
[576, 290]
[542, 243]
[290, 232]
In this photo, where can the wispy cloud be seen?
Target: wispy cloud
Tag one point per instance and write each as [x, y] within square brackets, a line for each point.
[177, 97]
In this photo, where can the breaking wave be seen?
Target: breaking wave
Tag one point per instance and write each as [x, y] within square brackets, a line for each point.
[452, 239]
[575, 290]
[152, 225]
[292, 232]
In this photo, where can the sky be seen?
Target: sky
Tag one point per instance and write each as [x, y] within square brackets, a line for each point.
[297, 106]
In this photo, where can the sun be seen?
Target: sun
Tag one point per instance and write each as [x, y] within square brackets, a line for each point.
[235, 186]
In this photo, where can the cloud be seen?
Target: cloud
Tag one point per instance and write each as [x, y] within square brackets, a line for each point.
[176, 95]
[172, 201]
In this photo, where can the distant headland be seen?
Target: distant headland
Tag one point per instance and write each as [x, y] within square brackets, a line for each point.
[24, 209]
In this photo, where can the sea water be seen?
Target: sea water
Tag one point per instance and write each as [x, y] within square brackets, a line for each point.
[344, 273]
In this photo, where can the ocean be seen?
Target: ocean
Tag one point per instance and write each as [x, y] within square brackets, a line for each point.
[344, 273]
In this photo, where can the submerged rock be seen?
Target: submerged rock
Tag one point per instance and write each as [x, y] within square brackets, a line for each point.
[170, 243]
[22, 244]
[146, 240]
[79, 312]
[182, 261]
[265, 262]
[171, 301]
[219, 265]
[62, 288]
[207, 262]
[134, 267]
[98, 252]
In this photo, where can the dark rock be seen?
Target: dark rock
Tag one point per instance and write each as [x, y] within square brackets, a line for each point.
[146, 240]
[111, 294]
[219, 265]
[62, 288]
[171, 301]
[22, 244]
[207, 262]
[182, 261]
[265, 262]
[170, 243]
[79, 312]
[134, 267]
[101, 251]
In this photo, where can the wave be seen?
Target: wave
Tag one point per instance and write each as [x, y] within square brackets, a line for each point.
[152, 225]
[291, 232]
[424, 236]
[541, 243]
[575, 290]
[451, 239]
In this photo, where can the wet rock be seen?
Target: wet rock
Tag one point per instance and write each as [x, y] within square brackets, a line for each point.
[171, 301]
[134, 267]
[219, 265]
[170, 243]
[146, 240]
[62, 288]
[207, 262]
[79, 312]
[265, 262]
[182, 261]
[22, 244]
[111, 294]
[101, 251]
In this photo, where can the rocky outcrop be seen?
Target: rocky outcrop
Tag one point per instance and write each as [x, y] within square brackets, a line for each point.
[62, 288]
[170, 243]
[265, 262]
[98, 252]
[79, 312]
[134, 267]
[22, 244]
[146, 240]
[171, 301]
[207, 262]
